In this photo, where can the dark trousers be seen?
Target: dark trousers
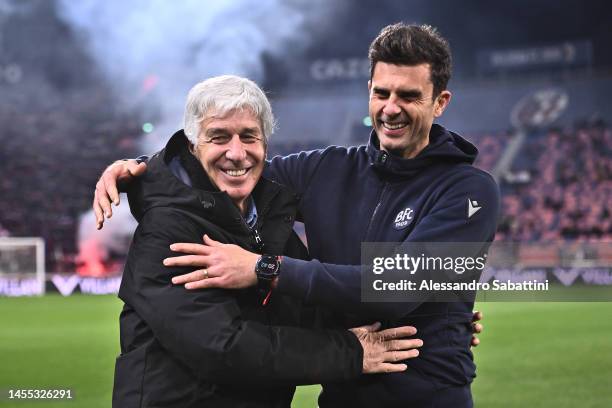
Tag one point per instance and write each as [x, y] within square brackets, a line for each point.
[412, 391]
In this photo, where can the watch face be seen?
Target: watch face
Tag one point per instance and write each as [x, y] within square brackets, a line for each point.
[267, 267]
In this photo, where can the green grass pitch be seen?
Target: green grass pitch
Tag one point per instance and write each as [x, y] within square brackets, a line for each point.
[532, 354]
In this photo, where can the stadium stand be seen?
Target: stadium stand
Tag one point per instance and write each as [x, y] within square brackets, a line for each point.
[50, 161]
[564, 190]
[490, 147]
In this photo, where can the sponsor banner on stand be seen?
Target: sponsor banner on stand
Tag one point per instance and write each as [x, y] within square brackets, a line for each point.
[69, 284]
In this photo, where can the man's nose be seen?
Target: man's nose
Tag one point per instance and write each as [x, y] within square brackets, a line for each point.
[391, 107]
[235, 151]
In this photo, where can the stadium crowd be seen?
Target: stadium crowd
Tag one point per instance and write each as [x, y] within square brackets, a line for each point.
[50, 159]
[567, 194]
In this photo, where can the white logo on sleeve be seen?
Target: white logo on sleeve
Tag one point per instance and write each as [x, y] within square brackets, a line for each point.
[473, 207]
[403, 218]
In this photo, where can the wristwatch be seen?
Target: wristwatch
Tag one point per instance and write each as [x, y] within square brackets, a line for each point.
[267, 269]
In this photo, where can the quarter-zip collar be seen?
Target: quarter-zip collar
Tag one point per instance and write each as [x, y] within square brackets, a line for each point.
[444, 146]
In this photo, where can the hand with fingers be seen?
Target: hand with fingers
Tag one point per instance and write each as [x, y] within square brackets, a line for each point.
[476, 327]
[383, 350]
[121, 171]
[220, 265]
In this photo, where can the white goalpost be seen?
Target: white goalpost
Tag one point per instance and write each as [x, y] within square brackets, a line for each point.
[22, 266]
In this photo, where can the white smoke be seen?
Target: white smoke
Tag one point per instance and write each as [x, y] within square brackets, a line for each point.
[181, 43]
[8, 7]
[174, 45]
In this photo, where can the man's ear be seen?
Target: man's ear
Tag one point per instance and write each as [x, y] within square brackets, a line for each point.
[369, 86]
[442, 102]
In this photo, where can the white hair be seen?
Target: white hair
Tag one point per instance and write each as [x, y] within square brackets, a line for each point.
[223, 94]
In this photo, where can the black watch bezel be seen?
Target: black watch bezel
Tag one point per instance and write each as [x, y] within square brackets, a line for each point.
[267, 268]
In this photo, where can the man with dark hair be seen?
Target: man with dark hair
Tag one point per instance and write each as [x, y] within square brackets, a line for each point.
[410, 167]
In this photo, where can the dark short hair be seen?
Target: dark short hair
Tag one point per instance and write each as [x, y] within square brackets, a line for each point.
[403, 44]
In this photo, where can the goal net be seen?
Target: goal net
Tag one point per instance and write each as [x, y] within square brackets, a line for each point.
[22, 266]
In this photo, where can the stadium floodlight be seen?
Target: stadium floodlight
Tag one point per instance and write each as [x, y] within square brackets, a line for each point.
[22, 266]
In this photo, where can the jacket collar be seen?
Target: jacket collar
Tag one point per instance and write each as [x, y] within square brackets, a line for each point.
[444, 146]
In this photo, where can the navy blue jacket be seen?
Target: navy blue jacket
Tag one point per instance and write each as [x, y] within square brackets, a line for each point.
[353, 195]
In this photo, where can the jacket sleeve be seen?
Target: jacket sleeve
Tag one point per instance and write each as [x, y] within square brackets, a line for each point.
[205, 328]
[339, 286]
[295, 170]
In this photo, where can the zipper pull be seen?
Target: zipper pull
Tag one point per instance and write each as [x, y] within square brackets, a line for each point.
[258, 240]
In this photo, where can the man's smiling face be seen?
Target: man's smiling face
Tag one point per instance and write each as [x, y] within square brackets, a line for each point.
[232, 151]
[402, 107]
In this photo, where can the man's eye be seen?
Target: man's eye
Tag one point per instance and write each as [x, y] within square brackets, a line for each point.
[381, 94]
[248, 139]
[219, 139]
[410, 97]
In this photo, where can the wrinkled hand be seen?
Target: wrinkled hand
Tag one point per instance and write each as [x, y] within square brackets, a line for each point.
[121, 171]
[382, 350]
[222, 265]
[476, 327]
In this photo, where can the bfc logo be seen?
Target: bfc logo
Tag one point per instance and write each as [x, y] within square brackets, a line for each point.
[404, 218]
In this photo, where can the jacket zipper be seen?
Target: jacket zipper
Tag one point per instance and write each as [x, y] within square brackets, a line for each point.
[254, 232]
[258, 241]
[380, 197]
